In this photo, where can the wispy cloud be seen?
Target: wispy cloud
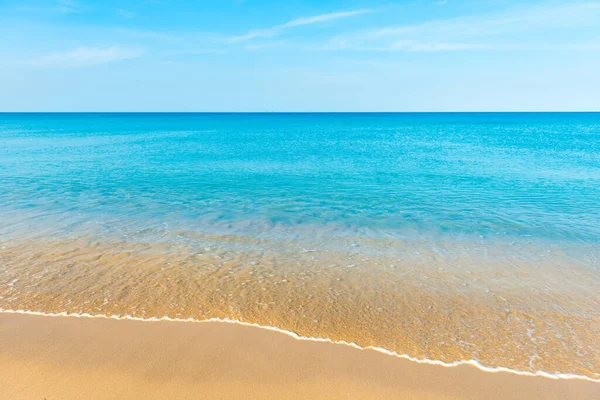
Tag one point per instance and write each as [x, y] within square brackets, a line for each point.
[278, 29]
[323, 17]
[499, 30]
[124, 13]
[86, 56]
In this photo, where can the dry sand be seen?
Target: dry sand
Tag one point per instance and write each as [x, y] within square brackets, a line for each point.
[58, 358]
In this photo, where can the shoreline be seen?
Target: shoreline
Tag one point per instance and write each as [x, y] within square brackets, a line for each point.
[460, 363]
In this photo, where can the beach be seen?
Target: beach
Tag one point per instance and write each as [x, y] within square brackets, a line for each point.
[44, 357]
[467, 242]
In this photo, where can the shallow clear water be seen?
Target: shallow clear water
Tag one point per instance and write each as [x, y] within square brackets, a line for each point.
[370, 220]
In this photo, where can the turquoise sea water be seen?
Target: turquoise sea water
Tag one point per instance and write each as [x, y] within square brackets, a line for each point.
[372, 217]
[513, 176]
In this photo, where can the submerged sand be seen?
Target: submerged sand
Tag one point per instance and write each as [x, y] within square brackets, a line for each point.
[91, 358]
[495, 308]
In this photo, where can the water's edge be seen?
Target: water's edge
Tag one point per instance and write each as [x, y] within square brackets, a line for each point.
[294, 335]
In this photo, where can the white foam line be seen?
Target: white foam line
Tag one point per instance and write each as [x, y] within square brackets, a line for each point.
[294, 335]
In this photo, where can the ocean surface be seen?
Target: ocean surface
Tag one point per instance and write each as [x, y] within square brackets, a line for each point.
[443, 236]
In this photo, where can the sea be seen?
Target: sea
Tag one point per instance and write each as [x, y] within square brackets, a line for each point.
[443, 237]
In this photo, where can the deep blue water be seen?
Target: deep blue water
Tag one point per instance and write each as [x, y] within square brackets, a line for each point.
[513, 176]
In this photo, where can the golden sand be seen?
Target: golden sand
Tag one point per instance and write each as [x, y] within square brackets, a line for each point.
[58, 358]
[523, 317]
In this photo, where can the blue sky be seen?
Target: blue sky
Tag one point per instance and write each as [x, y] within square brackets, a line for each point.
[329, 55]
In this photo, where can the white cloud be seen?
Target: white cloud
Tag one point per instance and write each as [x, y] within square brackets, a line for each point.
[475, 32]
[276, 30]
[86, 56]
[323, 17]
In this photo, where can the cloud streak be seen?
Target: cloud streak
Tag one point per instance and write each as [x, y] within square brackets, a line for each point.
[69, 6]
[86, 56]
[298, 22]
[501, 30]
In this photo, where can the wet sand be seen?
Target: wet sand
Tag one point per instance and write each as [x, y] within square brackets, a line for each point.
[523, 316]
[82, 358]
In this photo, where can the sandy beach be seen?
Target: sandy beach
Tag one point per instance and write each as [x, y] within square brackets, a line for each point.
[75, 358]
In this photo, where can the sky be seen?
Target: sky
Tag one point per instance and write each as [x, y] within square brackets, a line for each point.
[328, 55]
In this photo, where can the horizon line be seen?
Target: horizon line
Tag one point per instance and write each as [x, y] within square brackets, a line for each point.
[312, 112]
